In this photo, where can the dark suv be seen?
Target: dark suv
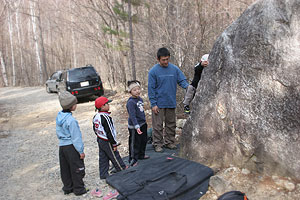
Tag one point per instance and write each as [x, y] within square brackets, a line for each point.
[81, 82]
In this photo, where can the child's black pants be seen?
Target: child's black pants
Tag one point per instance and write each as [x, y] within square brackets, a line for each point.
[107, 154]
[72, 170]
[137, 143]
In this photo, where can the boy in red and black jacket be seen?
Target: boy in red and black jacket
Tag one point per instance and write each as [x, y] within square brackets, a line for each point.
[106, 137]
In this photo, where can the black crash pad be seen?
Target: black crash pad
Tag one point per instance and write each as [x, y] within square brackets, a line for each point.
[163, 176]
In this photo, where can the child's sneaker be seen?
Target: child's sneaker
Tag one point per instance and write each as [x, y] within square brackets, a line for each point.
[171, 146]
[66, 192]
[133, 163]
[111, 195]
[158, 149]
[83, 192]
[96, 193]
[187, 109]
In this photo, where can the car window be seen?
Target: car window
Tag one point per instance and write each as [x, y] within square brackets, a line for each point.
[55, 76]
[64, 75]
[82, 74]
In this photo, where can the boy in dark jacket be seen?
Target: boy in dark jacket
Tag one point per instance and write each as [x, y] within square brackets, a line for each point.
[71, 153]
[191, 89]
[137, 125]
[106, 137]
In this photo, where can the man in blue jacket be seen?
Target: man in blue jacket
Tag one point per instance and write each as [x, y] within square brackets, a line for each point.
[163, 78]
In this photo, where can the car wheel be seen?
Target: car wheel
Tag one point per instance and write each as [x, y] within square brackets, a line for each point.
[56, 89]
[48, 89]
[61, 88]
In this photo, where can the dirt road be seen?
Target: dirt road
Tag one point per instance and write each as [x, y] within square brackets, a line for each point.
[29, 146]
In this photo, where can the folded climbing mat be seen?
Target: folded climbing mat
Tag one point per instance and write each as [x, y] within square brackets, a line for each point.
[161, 177]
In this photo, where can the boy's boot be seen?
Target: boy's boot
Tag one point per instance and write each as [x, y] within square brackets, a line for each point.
[187, 109]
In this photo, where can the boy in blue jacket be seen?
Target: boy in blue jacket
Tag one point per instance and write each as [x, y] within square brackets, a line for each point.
[137, 125]
[71, 148]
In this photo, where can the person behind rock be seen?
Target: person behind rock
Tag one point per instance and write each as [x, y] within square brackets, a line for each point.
[71, 147]
[163, 78]
[137, 125]
[104, 128]
[191, 89]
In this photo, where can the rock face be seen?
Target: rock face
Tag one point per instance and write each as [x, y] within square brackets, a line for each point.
[246, 110]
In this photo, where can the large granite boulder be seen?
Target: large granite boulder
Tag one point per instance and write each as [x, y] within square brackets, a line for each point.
[246, 111]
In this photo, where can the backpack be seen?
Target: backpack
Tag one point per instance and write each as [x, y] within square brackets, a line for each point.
[233, 195]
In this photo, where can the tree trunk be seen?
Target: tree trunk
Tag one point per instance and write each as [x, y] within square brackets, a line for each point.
[4, 75]
[36, 42]
[131, 42]
[171, 25]
[10, 30]
[24, 77]
[44, 63]
[32, 78]
[73, 37]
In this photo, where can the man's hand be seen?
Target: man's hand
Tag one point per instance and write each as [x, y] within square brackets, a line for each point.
[82, 156]
[204, 63]
[115, 148]
[155, 109]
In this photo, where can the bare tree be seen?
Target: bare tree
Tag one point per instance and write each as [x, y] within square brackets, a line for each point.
[3, 69]
[44, 63]
[73, 37]
[37, 50]
[10, 28]
[24, 75]
[131, 41]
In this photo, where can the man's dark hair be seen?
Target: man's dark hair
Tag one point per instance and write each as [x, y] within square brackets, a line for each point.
[163, 52]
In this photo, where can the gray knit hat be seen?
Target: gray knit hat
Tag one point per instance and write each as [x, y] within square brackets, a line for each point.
[67, 100]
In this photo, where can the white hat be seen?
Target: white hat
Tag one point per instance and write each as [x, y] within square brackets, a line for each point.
[204, 57]
[133, 85]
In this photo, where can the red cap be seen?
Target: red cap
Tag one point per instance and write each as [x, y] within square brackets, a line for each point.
[100, 101]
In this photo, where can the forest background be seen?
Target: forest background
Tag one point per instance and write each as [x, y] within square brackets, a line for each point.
[119, 38]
